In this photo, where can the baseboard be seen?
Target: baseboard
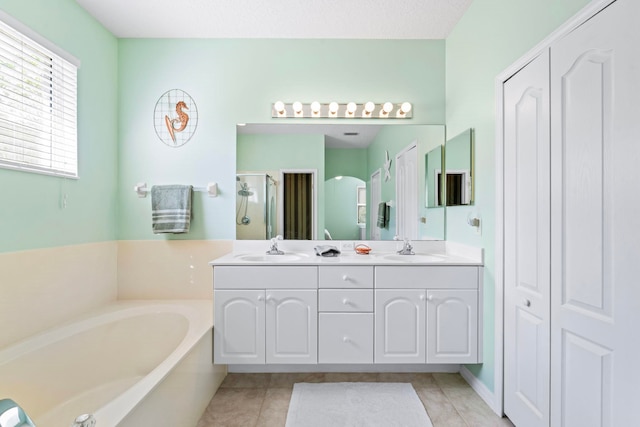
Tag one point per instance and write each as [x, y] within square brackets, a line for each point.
[481, 389]
[422, 367]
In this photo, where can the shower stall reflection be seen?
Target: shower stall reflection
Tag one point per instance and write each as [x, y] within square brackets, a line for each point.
[255, 206]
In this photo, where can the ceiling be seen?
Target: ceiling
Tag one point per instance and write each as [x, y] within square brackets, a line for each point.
[288, 19]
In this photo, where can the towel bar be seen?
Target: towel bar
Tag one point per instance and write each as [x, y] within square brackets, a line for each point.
[211, 188]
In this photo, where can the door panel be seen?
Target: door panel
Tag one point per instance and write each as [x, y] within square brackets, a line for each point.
[400, 326]
[595, 199]
[239, 327]
[452, 326]
[527, 245]
[292, 326]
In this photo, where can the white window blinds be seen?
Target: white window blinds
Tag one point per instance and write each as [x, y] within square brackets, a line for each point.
[38, 107]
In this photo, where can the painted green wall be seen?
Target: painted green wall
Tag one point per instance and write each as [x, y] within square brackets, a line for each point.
[490, 36]
[32, 215]
[235, 81]
[346, 162]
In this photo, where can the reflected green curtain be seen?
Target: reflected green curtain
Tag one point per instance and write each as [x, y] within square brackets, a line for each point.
[298, 219]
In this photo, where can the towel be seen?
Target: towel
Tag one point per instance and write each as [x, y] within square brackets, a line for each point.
[170, 208]
[383, 215]
[326, 250]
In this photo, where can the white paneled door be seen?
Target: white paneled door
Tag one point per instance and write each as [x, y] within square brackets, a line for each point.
[406, 190]
[595, 268]
[527, 245]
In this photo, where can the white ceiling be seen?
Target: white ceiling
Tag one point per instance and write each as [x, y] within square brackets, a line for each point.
[326, 19]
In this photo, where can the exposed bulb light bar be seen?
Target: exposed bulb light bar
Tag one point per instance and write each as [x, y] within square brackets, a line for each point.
[315, 109]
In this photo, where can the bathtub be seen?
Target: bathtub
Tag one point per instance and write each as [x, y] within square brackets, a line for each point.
[133, 363]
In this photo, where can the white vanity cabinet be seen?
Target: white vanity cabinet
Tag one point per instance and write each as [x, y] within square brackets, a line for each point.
[373, 313]
[427, 314]
[275, 321]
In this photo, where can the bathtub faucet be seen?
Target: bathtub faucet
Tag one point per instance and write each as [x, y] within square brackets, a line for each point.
[84, 420]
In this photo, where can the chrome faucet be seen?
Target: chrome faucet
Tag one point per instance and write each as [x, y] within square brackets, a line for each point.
[407, 248]
[273, 249]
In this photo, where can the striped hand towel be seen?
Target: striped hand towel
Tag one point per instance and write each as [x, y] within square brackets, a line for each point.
[171, 208]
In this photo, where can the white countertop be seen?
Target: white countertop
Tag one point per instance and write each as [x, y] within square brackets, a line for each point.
[252, 252]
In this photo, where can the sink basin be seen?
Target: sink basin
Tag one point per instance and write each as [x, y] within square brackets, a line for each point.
[270, 258]
[413, 258]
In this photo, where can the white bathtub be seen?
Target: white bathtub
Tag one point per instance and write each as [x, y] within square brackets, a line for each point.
[131, 363]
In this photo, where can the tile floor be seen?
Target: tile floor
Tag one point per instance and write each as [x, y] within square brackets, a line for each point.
[262, 400]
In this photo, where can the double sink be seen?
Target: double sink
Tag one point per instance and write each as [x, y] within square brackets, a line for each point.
[301, 256]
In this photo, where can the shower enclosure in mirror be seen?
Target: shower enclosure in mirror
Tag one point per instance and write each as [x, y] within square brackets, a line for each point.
[344, 158]
[255, 206]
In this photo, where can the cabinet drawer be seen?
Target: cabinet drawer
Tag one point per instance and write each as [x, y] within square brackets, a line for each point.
[345, 277]
[345, 300]
[345, 338]
[421, 277]
[262, 277]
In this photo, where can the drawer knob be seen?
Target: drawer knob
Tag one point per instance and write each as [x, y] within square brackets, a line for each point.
[345, 277]
[346, 301]
[346, 339]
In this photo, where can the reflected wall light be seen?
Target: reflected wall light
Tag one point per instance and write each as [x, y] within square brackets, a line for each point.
[386, 110]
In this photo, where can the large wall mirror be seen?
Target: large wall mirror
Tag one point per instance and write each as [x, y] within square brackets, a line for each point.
[338, 181]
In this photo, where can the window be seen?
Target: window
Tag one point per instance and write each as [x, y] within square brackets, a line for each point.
[362, 205]
[38, 106]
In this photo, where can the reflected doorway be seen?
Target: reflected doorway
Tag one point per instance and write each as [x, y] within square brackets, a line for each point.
[298, 205]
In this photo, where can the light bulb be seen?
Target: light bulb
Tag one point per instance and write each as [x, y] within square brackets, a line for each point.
[405, 107]
[351, 108]
[368, 107]
[333, 108]
[297, 107]
[279, 107]
[315, 107]
[387, 107]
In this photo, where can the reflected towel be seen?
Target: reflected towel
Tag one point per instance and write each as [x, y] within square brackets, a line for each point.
[383, 215]
[326, 250]
[171, 208]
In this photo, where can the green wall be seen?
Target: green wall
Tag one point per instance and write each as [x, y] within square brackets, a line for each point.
[235, 81]
[346, 162]
[32, 213]
[490, 36]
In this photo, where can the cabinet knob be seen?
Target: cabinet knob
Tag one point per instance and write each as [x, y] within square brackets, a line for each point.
[526, 303]
[422, 297]
[269, 298]
[260, 297]
[430, 298]
[346, 339]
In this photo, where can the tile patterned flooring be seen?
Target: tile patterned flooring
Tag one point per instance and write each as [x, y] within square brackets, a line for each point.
[262, 400]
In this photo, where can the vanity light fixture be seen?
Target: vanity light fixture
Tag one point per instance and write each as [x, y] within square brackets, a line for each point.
[315, 109]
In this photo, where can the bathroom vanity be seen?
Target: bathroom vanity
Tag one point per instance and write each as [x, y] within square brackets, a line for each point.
[380, 308]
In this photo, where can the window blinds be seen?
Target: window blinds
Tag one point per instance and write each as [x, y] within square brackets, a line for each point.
[38, 107]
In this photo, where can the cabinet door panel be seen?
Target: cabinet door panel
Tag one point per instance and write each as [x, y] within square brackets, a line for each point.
[452, 326]
[400, 326]
[239, 327]
[291, 326]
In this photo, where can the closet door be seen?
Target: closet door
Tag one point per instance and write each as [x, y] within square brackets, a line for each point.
[527, 245]
[595, 269]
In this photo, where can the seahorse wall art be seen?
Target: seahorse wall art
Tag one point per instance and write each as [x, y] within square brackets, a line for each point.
[179, 123]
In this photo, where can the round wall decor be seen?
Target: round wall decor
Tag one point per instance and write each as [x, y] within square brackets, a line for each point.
[175, 117]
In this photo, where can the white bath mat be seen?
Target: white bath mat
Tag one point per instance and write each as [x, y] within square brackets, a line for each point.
[356, 405]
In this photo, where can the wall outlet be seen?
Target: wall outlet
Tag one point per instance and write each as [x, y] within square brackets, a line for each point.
[345, 246]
